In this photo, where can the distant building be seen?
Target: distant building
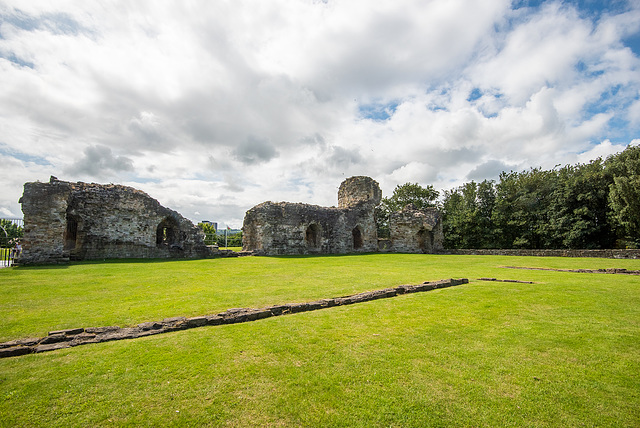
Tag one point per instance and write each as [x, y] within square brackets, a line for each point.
[212, 223]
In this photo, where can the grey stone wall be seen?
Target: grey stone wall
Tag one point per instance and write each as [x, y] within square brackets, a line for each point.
[275, 228]
[607, 254]
[416, 231]
[83, 221]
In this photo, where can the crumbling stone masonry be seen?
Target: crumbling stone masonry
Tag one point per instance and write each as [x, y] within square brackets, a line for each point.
[416, 231]
[274, 228]
[82, 221]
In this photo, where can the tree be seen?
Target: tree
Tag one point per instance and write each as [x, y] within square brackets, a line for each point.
[9, 233]
[578, 208]
[408, 193]
[467, 215]
[521, 208]
[624, 193]
[210, 237]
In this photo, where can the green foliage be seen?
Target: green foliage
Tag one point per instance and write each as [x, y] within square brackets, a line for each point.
[403, 195]
[234, 240]
[624, 195]
[559, 352]
[213, 237]
[467, 215]
[9, 233]
[578, 210]
[207, 228]
[576, 206]
[210, 236]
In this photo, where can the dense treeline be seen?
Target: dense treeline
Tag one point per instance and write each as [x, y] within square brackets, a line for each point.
[594, 205]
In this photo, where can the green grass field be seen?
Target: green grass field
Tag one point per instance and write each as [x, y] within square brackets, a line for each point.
[564, 351]
[236, 249]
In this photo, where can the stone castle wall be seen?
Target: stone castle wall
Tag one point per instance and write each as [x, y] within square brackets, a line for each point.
[84, 221]
[416, 231]
[606, 253]
[274, 228]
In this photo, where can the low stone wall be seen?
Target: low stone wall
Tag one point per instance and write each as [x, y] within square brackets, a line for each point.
[605, 254]
[61, 339]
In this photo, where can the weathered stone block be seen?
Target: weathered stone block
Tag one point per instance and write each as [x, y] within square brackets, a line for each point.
[101, 330]
[152, 325]
[214, 320]
[68, 332]
[54, 338]
[51, 347]
[21, 342]
[15, 351]
[196, 321]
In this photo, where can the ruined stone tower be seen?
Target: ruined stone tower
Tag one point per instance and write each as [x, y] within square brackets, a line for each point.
[360, 189]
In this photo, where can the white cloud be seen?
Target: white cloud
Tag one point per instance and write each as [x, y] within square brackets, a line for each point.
[215, 107]
[602, 150]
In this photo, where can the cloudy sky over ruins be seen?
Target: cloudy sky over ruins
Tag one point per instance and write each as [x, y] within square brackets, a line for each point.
[212, 107]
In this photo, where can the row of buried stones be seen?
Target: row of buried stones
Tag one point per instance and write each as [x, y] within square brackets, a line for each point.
[61, 339]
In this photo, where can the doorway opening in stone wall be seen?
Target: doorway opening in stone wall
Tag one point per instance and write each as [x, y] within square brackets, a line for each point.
[357, 237]
[425, 240]
[71, 233]
[167, 233]
[312, 236]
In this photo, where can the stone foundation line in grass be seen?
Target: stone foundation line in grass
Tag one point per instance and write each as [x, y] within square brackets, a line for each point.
[613, 271]
[61, 339]
[505, 280]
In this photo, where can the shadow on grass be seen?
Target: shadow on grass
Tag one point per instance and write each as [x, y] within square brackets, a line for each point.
[100, 262]
[315, 256]
[161, 260]
[41, 267]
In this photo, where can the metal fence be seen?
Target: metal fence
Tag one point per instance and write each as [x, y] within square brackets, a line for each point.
[10, 246]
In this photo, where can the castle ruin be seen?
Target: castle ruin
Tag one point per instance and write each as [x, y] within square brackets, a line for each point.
[85, 221]
[277, 228]
[416, 231]
[274, 228]
[81, 221]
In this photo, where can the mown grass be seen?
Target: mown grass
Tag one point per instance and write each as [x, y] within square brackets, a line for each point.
[564, 351]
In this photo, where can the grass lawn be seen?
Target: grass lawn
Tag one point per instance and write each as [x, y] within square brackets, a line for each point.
[564, 351]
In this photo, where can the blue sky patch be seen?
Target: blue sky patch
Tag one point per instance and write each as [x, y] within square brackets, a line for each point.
[14, 59]
[38, 160]
[56, 23]
[377, 112]
[475, 94]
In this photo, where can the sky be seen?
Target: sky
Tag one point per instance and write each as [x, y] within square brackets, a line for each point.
[212, 107]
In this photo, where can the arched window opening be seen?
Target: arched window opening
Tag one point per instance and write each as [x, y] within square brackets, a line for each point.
[312, 236]
[357, 237]
[167, 232]
[425, 240]
[71, 233]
